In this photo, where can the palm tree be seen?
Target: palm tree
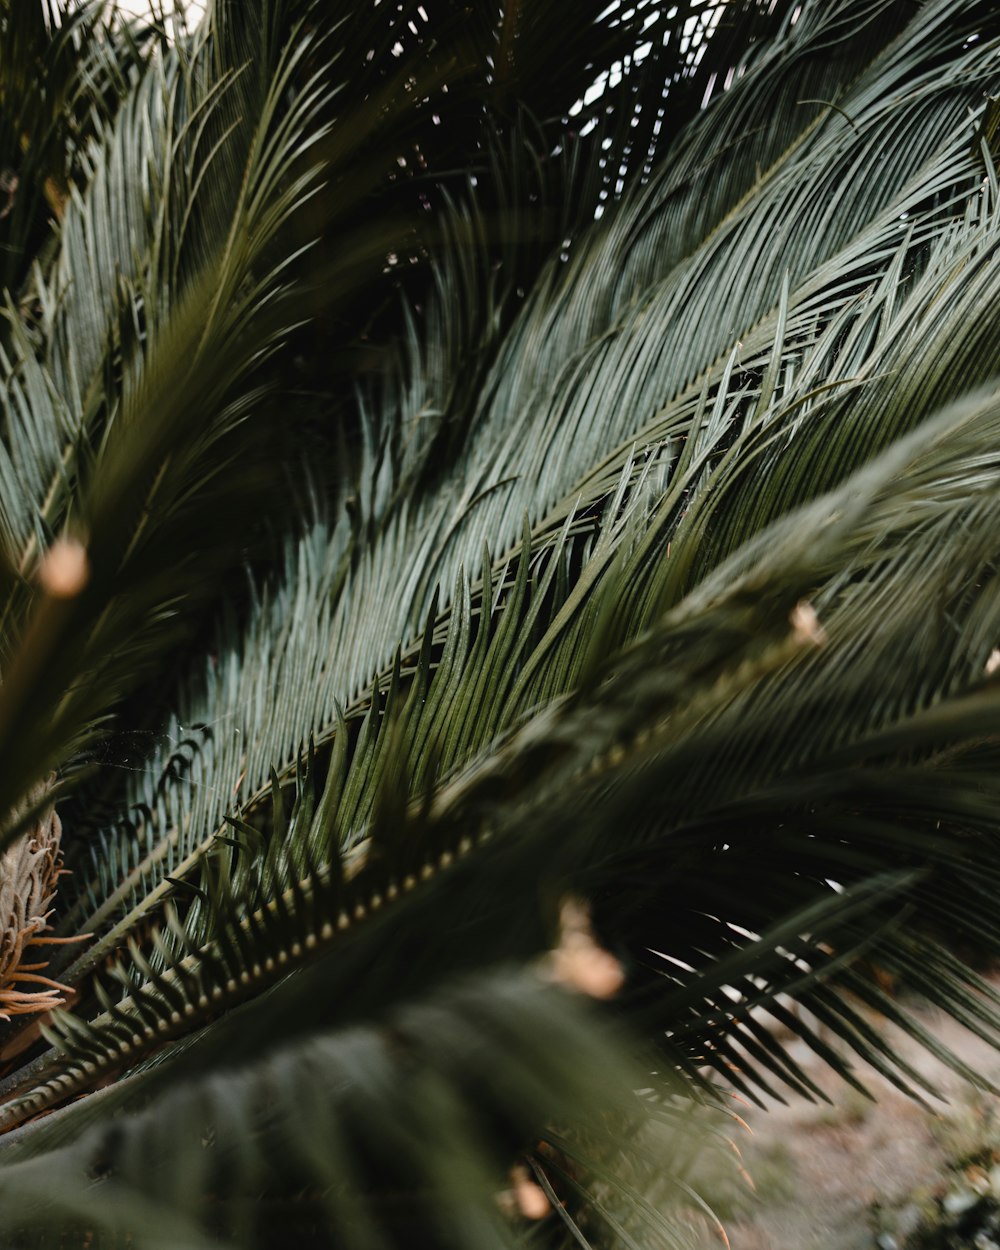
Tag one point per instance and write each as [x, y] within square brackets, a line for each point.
[480, 481]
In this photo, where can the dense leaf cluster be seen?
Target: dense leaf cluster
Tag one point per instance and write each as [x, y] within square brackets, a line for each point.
[457, 459]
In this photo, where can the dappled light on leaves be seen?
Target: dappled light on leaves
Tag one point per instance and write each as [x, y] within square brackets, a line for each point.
[498, 568]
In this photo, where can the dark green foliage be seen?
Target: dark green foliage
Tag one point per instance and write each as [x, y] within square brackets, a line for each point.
[432, 489]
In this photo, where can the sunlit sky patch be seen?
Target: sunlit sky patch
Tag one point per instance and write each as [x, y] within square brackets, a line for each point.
[142, 8]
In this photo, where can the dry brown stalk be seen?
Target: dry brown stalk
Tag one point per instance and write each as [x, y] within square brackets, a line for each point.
[29, 872]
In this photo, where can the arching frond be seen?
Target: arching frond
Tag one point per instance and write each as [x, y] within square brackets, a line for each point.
[655, 569]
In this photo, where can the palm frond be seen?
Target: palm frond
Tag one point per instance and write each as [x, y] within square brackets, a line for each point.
[393, 1087]
[657, 565]
[449, 532]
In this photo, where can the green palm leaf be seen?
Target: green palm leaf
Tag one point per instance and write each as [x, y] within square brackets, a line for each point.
[636, 543]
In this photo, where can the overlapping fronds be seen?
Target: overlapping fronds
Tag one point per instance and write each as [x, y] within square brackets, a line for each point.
[637, 542]
[393, 1133]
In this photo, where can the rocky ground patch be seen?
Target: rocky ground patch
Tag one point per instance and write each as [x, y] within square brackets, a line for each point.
[888, 1174]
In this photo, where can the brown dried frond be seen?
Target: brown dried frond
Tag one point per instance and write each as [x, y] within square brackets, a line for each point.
[29, 871]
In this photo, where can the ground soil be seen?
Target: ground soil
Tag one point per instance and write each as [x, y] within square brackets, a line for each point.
[850, 1176]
